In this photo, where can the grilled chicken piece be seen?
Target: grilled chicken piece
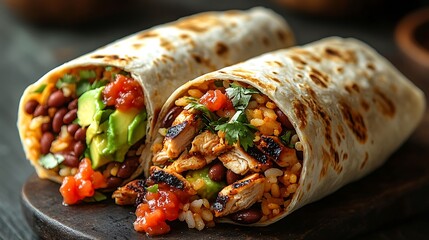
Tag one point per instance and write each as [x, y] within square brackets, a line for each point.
[275, 150]
[239, 195]
[240, 162]
[171, 178]
[179, 136]
[186, 162]
[209, 145]
[128, 194]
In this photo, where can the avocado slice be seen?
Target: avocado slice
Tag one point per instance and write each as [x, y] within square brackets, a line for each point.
[211, 188]
[137, 128]
[117, 133]
[98, 144]
[98, 125]
[89, 104]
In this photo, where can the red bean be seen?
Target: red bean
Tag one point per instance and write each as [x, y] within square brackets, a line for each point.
[247, 216]
[57, 121]
[70, 116]
[41, 111]
[217, 172]
[71, 160]
[114, 182]
[72, 104]
[45, 142]
[79, 148]
[171, 115]
[56, 99]
[231, 177]
[72, 128]
[283, 119]
[31, 106]
[128, 167]
[46, 127]
[80, 134]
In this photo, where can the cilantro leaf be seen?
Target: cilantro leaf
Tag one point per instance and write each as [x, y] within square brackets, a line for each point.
[50, 161]
[238, 132]
[153, 188]
[240, 96]
[40, 88]
[97, 197]
[87, 74]
[82, 86]
[64, 80]
[287, 137]
[207, 116]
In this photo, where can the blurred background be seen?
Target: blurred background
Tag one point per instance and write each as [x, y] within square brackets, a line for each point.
[38, 35]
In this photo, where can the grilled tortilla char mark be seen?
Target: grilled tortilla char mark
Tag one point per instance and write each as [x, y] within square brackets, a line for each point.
[179, 135]
[170, 178]
[239, 195]
[209, 145]
[240, 161]
[276, 151]
[186, 162]
[128, 194]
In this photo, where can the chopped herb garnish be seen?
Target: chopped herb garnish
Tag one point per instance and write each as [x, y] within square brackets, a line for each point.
[65, 80]
[98, 197]
[50, 161]
[87, 74]
[238, 131]
[240, 96]
[101, 83]
[207, 116]
[82, 86]
[287, 137]
[108, 68]
[153, 188]
[40, 88]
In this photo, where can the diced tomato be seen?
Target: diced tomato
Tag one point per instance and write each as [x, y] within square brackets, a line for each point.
[215, 100]
[83, 184]
[124, 93]
[155, 209]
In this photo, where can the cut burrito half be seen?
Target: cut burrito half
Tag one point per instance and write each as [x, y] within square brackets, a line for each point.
[251, 143]
[102, 107]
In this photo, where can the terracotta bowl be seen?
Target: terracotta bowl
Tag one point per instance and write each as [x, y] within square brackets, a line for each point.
[412, 36]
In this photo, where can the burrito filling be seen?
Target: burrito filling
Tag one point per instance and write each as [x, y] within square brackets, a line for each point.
[223, 151]
[88, 126]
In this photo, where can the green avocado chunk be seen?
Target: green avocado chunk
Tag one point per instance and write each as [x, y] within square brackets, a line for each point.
[137, 128]
[89, 104]
[211, 188]
[117, 133]
[98, 144]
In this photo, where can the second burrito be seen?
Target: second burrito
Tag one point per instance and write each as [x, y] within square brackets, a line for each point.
[251, 143]
[96, 113]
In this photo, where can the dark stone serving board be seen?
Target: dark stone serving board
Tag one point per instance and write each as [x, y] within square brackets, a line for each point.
[397, 191]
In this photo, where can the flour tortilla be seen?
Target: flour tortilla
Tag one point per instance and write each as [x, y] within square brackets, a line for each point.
[164, 57]
[349, 106]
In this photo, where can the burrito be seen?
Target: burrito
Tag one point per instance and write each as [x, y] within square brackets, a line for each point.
[102, 107]
[253, 142]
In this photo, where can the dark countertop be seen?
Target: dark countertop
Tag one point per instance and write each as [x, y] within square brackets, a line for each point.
[29, 51]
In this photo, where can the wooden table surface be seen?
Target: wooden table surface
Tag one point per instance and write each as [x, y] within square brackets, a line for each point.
[28, 51]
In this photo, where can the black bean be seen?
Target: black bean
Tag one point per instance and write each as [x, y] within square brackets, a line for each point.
[231, 177]
[70, 116]
[114, 182]
[31, 106]
[80, 134]
[46, 127]
[45, 142]
[57, 121]
[41, 110]
[171, 115]
[56, 99]
[71, 160]
[72, 105]
[283, 119]
[246, 216]
[72, 128]
[217, 172]
[128, 167]
[79, 148]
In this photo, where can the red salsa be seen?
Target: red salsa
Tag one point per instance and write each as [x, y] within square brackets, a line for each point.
[216, 100]
[124, 93]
